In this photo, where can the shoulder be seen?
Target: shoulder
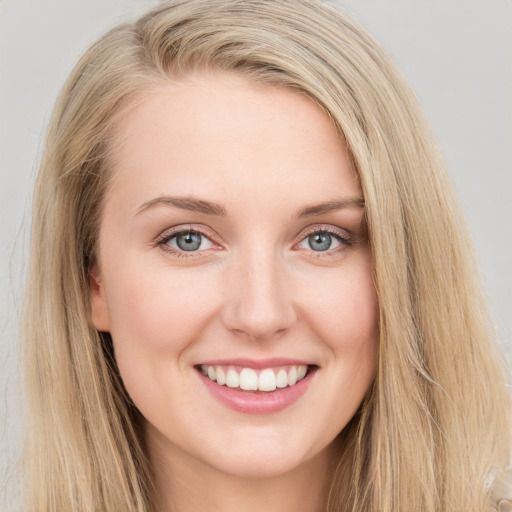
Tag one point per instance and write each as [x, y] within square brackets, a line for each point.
[501, 490]
[505, 506]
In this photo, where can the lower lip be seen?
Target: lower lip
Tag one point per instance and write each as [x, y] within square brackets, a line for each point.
[251, 402]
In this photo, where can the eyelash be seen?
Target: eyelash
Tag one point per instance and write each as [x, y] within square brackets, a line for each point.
[344, 240]
[162, 241]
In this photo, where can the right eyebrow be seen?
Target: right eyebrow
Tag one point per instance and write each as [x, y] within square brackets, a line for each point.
[185, 203]
[329, 206]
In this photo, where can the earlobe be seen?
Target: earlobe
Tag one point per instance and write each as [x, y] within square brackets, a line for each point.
[99, 309]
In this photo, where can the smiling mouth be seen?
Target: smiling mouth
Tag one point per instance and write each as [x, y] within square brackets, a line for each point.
[265, 380]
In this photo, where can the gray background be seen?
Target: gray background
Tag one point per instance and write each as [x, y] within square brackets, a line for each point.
[457, 56]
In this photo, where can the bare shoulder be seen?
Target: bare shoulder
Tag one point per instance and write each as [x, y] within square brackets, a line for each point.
[501, 490]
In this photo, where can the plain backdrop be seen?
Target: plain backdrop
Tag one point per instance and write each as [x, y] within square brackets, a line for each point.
[456, 54]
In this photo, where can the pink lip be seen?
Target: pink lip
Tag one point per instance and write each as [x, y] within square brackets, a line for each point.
[256, 364]
[257, 402]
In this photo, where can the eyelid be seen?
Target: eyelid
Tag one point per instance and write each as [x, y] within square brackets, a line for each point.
[343, 236]
[162, 239]
[170, 232]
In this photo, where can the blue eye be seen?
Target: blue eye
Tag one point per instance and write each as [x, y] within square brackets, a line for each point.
[187, 241]
[320, 241]
[323, 240]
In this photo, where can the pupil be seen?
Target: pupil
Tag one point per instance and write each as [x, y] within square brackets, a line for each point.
[320, 241]
[188, 241]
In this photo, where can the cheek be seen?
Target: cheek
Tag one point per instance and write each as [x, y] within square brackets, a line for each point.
[345, 318]
[160, 309]
[346, 312]
[155, 317]
[153, 321]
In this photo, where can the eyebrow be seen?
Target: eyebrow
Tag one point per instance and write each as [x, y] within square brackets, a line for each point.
[185, 203]
[210, 208]
[336, 204]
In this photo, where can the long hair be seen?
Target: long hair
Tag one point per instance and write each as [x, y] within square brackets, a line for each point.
[435, 424]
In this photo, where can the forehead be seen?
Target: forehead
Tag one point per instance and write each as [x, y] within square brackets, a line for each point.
[219, 134]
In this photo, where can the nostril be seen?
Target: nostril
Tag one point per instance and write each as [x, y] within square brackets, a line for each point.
[260, 312]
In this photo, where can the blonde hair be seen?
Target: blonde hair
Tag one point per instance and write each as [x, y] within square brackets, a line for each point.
[435, 424]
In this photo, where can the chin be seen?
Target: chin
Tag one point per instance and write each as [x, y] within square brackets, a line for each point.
[260, 459]
[254, 466]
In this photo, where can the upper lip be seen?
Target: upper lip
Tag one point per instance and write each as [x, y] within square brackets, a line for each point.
[257, 364]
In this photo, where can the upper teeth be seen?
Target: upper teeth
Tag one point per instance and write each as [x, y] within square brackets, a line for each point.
[248, 379]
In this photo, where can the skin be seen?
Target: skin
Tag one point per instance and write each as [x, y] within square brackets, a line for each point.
[254, 289]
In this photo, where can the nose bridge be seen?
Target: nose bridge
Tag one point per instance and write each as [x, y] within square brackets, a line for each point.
[258, 302]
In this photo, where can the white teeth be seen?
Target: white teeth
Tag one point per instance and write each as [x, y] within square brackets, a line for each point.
[221, 376]
[248, 379]
[211, 373]
[292, 376]
[232, 378]
[267, 380]
[281, 379]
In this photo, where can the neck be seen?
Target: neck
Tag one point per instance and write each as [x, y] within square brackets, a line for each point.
[186, 484]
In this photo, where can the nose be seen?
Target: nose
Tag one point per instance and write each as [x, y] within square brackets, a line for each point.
[258, 301]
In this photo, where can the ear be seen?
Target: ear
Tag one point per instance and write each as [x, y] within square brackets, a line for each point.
[99, 308]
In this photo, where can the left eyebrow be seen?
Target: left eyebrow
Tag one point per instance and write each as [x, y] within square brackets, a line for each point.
[185, 203]
[329, 206]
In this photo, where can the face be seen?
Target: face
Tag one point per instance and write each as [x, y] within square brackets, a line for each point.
[233, 245]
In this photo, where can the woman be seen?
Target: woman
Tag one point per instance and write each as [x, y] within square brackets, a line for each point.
[250, 285]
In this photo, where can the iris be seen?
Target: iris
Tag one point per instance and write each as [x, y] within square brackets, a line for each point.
[320, 241]
[189, 241]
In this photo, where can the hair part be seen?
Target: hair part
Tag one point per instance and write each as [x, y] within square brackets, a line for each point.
[417, 441]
